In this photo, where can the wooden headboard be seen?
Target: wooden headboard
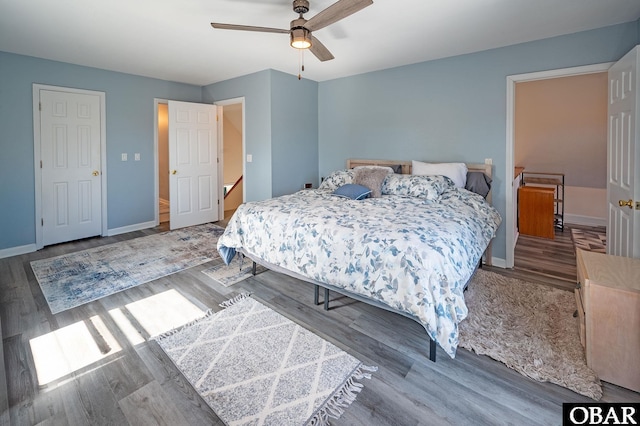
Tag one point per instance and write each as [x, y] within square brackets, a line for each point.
[406, 165]
[406, 169]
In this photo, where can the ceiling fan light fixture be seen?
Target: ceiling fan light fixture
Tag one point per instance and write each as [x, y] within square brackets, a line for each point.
[300, 38]
[300, 29]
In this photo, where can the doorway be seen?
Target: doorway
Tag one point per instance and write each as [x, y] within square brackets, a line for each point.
[232, 158]
[186, 153]
[510, 197]
[70, 164]
[163, 163]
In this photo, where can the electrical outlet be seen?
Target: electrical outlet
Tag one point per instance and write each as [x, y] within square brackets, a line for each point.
[124, 156]
[136, 156]
[249, 158]
[488, 161]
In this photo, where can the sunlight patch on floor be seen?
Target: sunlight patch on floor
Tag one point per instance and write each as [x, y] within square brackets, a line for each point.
[126, 327]
[68, 349]
[157, 314]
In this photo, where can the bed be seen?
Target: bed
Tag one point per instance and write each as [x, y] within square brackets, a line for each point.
[411, 250]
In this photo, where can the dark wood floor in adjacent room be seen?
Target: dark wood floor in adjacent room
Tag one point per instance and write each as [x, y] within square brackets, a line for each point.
[138, 385]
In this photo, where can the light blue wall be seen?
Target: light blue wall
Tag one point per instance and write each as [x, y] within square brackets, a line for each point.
[294, 126]
[448, 109]
[129, 112]
[281, 130]
[439, 110]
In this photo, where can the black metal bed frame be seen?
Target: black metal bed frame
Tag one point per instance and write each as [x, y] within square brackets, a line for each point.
[327, 287]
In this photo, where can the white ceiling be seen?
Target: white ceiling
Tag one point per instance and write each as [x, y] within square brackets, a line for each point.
[173, 40]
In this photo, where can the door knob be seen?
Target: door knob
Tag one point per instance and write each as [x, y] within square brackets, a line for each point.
[173, 172]
[95, 173]
[623, 203]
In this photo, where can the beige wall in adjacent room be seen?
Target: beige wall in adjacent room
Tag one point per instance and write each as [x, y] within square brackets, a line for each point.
[561, 126]
[232, 149]
[163, 151]
[232, 153]
[585, 205]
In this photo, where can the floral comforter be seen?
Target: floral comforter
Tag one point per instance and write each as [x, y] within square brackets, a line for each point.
[411, 254]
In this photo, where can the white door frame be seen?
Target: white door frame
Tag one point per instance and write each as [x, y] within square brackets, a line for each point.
[37, 157]
[156, 197]
[509, 164]
[222, 103]
[156, 171]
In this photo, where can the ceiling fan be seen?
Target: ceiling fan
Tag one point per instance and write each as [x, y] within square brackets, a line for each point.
[301, 29]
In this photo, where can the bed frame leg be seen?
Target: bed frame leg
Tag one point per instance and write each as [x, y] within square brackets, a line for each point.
[326, 299]
[254, 269]
[316, 296]
[432, 350]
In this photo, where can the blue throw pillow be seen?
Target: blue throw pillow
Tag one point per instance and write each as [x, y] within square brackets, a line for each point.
[353, 191]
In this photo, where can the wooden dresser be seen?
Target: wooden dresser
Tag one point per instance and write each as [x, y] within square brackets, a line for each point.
[608, 299]
[536, 211]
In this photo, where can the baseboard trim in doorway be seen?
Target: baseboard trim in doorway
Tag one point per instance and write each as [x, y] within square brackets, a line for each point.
[577, 219]
[131, 228]
[498, 262]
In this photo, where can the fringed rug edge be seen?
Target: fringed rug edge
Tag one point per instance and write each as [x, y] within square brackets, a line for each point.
[342, 398]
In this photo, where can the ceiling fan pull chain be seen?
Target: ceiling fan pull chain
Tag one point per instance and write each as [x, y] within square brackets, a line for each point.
[300, 63]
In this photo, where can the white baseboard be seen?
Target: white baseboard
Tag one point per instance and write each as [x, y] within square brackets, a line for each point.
[499, 262]
[30, 248]
[577, 219]
[16, 251]
[131, 228]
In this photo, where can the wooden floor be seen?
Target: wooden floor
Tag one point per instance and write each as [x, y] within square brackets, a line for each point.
[138, 385]
[551, 262]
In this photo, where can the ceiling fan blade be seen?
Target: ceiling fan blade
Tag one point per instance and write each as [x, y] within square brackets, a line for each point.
[320, 50]
[337, 11]
[248, 28]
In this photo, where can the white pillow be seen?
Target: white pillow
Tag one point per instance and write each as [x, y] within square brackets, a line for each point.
[457, 172]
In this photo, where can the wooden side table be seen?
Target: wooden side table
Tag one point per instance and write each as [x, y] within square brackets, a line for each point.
[536, 211]
[549, 180]
[608, 298]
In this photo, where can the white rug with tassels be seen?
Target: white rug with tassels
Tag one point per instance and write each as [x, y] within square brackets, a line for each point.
[254, 366]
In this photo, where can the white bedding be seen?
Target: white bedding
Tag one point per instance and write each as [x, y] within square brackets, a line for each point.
[414, 255]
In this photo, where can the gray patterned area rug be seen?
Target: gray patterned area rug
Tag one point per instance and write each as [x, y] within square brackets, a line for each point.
[237, 270]
[589, 240]
[530, 328]
[74, 279]
[253, 366]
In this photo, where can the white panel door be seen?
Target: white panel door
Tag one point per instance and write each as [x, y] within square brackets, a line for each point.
[70, 162]
[193, 157]
[623, 156]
